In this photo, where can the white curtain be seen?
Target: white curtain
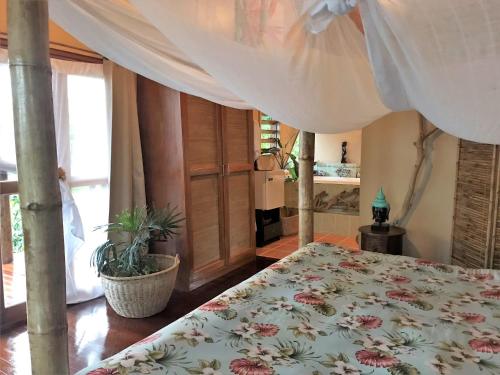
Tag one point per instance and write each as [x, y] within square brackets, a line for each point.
[115, 29]
[296, 63]
[262, 51]
[82, 283]
[441, 57]
[265, 52]
[73, 227]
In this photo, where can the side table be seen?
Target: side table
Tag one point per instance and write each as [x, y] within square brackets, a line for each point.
[390, 242]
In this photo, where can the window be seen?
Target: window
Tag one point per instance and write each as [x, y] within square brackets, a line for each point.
[7, 146]
[296, 147]
[269, 134]
[89, 150]
[88, 130]
[87, 140]
[83, 152]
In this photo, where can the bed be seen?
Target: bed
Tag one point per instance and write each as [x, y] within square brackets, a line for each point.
[327, 310]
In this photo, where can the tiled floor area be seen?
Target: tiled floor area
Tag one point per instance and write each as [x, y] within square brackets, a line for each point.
[287, 245]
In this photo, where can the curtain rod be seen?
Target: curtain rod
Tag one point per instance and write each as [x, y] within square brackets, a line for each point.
[57, 53]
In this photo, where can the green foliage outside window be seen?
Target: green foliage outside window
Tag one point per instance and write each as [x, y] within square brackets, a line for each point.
[17, 225]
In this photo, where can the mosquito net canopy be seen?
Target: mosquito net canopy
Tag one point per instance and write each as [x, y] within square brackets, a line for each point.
[305, 62]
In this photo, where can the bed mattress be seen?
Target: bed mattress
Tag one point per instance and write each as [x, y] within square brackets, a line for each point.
[328, 310]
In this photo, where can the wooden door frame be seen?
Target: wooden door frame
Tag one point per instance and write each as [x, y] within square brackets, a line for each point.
[15, 314]
[12, 315]
[238, 168]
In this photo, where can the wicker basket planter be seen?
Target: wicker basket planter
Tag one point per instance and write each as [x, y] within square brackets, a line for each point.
[142, 296]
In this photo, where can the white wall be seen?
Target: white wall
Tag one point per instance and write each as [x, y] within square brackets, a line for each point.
[388, 156]
[329, 147]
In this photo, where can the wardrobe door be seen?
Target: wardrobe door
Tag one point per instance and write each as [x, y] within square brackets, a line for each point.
[206, 221]
[202, 141]
[237, 130]
[476, 199]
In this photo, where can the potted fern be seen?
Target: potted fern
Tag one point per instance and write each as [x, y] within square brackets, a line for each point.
[137, 284]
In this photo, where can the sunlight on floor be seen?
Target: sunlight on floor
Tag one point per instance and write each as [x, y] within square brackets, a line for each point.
[287, 245]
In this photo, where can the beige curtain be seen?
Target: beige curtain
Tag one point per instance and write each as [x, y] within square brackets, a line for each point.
[126, 175]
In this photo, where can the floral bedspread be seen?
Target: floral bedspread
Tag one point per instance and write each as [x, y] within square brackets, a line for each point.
[327, 310]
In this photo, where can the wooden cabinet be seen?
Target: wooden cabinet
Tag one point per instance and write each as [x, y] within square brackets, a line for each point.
[476, 224]
[198, 156]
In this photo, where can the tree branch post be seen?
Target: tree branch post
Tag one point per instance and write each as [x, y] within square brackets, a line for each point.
[306, 188]
[423, 145]
[38, 185]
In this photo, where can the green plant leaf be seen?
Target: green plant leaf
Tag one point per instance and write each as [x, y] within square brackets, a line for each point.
[135, 229]
[325, 309]
[403, 369]
[194, 371]
[227, 314]
[422, 305]
[215, 364]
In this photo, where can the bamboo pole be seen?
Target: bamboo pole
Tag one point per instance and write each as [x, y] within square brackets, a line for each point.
[306, 188]
[38, 185]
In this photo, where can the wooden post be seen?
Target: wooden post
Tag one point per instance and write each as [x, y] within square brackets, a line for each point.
[306, 188]
[38, 185]
[5, 225]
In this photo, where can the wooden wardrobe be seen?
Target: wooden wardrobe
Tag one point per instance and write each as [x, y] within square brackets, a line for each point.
[476, 224]
[198, 156]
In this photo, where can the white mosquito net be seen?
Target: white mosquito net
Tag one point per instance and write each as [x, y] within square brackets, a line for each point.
[441, 57]
[304, 62]
[262, 51]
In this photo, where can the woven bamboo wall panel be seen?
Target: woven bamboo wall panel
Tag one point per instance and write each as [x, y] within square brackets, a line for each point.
[476, 218]
[496, 249]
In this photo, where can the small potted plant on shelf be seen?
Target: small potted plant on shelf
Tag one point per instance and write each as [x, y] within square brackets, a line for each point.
[138, 284]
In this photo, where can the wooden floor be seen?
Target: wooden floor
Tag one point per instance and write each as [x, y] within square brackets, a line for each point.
[96, 332]
[287, 245]
[14, 281]
[14, 273]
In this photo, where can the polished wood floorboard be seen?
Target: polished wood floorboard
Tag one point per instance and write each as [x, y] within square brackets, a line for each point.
[14, 273]
[288, 244]
[96, 332]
